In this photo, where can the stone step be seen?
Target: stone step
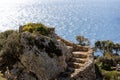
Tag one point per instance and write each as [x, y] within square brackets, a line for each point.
[78, 60]
[80, 54]
[75, 65]
[80, 48]
[70, 47]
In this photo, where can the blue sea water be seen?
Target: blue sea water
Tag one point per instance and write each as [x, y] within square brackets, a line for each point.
[94, 19]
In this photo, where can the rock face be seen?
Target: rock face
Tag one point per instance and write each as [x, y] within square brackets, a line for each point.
[36, 59]
[41, 58]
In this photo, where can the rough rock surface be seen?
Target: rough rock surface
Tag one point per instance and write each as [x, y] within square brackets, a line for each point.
[38, 61]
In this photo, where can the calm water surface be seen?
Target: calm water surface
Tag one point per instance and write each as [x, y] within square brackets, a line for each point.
[95, 19]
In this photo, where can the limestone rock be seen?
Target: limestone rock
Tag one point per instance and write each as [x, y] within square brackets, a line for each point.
[36, 60]
[42, 58]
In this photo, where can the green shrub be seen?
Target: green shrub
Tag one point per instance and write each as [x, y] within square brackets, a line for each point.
[4, 36]
[98, 73]
[10, 48]
[36, 27]
[116, 59]
[105, 63]
[111, 75]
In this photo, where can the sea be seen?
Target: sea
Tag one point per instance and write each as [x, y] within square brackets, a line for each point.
[94, 19]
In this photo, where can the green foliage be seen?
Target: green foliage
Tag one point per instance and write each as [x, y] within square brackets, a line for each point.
[107, 46]
[109, 60]
[116, 59]
[98, 73]
[3, 37]
[36, 27]
[82, 41]
[116, 48]
[111, 75]
[10, 48]
[106, 64]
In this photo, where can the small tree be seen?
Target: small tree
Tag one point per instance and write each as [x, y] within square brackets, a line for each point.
[82, 41]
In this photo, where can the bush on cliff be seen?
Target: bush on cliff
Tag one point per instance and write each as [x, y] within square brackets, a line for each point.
[36, 27]
[111, 75]
[105, 66]
[10, 48]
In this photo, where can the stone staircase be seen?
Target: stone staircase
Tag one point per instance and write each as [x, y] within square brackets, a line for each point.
[80, 61]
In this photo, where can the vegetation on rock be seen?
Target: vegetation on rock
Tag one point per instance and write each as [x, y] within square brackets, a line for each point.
[107, 63]
[107, 47]
[36, 27]
[10, 48]
[82, 40]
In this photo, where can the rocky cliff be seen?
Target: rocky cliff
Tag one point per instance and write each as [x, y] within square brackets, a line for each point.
[36, 53]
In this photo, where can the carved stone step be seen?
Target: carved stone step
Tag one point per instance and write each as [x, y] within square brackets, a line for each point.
[70, 48]
[78, 60]
[80, 48]
[80, 54]
[75, 65]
